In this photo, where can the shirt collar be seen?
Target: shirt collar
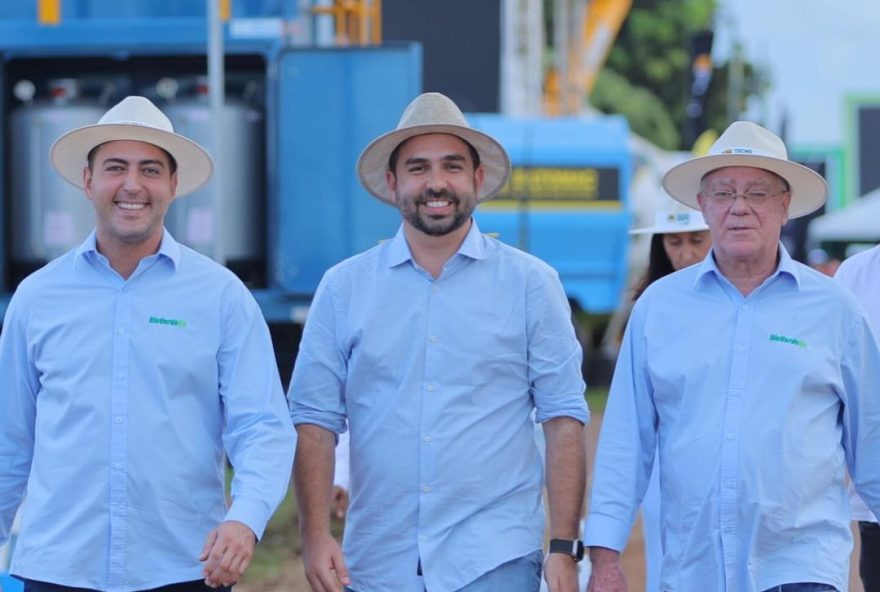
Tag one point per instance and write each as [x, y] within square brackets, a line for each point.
[786, 266]
[168, 248]
[473, 246]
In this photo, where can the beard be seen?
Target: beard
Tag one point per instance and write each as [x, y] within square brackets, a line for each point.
[436, 225]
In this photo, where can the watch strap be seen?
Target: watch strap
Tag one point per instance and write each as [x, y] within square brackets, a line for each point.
[572, 548]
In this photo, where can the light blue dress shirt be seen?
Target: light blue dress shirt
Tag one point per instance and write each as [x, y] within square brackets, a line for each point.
[760, 404]
[437, 380]
[118, 400]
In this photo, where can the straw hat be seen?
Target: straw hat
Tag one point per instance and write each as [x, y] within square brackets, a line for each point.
[433, 113]
[675, 218]
[134, 118]
[749, 145]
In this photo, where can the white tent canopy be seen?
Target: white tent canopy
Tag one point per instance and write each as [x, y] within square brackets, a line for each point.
[859, 221]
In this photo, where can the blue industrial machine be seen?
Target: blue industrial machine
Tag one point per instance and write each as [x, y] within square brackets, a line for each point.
[567, 201]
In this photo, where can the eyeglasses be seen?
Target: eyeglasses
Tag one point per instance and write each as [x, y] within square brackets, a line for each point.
[753, 197]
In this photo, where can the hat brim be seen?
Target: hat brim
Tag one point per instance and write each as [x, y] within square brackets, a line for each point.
[69, 153]
[373, 161]
[668, 230]
[808, 189]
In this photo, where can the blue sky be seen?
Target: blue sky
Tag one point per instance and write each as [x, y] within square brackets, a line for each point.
[816, 52]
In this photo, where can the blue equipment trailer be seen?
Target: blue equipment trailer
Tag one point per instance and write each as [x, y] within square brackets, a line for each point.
[567, 201]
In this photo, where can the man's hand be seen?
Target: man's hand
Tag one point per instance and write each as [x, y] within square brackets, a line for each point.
[607, 575]
[561, 574]
[227, 553]
[340, 501]
[323, 563]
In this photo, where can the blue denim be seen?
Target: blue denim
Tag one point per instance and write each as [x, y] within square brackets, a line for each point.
[518, 575]
[803, 587]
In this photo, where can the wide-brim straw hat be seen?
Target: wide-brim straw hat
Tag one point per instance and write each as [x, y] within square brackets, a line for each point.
[134, 118]
[747, 144]
[433, 113]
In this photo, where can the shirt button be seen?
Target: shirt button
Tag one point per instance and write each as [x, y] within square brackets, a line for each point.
[426, 489]
[121, 330]
[117, 420]
[430, 387]
[118, 466]
[745, 307]
[426, 439]
[433, 339]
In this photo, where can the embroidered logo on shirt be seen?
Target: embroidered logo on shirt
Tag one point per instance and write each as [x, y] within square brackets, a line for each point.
[791, 340]
[169, 322]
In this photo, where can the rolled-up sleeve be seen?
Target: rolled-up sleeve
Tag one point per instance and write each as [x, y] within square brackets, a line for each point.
[554, 354]
[317, 387]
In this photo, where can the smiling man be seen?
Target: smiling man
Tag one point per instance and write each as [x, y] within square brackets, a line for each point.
[433, 349]
[131, 367]
[756, 379]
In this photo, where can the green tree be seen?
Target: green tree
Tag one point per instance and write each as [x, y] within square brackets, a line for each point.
[647, 74]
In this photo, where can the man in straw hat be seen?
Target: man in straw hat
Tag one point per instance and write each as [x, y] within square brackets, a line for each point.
[756, 378]
[130, 365]
[434, 348]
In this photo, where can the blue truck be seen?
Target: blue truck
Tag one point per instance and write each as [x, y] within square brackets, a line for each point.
[297, 113]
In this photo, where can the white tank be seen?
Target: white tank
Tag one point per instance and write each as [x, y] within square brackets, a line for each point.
[239, 225]
[49, 216]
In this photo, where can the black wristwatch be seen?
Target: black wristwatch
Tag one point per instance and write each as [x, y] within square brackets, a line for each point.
[574, 549]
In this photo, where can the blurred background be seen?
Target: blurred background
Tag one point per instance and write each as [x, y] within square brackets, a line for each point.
[594, 99]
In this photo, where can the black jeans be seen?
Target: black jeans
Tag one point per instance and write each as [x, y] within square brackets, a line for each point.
[869, 556]
[196, 586]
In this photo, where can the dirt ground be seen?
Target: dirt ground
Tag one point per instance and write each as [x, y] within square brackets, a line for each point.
[292, 577]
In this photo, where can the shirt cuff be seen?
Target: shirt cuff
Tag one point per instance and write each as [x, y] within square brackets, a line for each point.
[252, 513]
[606, 531]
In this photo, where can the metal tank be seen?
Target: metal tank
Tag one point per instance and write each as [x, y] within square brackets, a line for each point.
[233, 230]
[49, 216]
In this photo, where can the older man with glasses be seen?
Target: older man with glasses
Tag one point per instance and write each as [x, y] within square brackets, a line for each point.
[756, 379]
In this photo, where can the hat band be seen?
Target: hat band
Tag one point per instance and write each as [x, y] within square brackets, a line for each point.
[744, 150]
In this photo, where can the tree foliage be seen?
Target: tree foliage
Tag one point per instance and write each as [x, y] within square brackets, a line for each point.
[647, 74]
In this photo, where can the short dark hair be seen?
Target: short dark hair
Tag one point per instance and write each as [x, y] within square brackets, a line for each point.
[172, 164]
[395, 154]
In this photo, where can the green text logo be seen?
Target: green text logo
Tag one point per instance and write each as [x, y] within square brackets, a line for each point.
[169, 322]
[791, 340]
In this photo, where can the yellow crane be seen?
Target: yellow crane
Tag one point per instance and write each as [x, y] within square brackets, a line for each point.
[565, 92]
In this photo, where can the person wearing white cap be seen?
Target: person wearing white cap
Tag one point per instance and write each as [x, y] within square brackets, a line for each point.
[131, 367]
[754, 379]
[433, 349]
[679, 238]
